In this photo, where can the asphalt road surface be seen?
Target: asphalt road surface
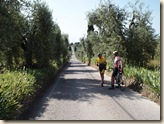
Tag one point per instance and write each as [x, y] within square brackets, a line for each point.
[77, 95]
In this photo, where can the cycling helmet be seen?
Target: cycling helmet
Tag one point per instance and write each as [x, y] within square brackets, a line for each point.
[99, 54]
[115, 53]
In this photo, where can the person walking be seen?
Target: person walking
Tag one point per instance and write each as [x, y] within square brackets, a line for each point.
[101, 63]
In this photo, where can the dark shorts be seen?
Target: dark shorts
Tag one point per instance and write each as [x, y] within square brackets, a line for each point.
[115, 71]
[102, 68]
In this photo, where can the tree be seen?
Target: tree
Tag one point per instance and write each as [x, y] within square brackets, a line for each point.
[29, 37]
[140, 44]
[65, 47]
[136, 41]
[43, 27]
[10, 20]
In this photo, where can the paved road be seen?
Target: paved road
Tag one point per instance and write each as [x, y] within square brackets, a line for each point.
[77, 95]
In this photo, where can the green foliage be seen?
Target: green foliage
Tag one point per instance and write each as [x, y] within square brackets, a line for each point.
[154, 64]
[10, 21]
[141, 40]
[15, 88]
[43, 26]
[109, 20]
[65, 47]
[30, 40]
[29, 35]
[127, 31]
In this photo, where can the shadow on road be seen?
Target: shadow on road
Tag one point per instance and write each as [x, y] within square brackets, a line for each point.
[82, 89]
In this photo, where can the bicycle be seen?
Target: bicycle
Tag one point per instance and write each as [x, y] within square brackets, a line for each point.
[119, 81]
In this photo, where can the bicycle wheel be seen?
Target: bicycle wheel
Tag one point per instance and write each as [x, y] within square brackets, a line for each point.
[122, 84]
[117, 79]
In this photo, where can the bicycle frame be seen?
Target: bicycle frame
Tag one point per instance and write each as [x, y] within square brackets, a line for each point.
[119, 81]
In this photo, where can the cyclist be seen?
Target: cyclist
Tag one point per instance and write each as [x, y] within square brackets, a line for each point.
[101, 62]
[118, 67]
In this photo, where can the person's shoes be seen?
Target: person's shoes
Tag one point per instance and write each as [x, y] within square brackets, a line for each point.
[111, 88]
[122, 83]
[101, 84]
[118, 86]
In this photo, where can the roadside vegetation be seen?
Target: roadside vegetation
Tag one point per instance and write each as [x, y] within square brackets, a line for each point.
[32, 52]
[130, 32]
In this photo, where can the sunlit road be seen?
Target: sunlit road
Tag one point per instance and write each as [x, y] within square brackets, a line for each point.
[77, 95]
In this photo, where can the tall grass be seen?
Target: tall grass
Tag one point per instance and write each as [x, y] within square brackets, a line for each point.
[17, 89]
[145, 76]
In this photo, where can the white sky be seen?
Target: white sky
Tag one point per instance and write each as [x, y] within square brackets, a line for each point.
[70, 15]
